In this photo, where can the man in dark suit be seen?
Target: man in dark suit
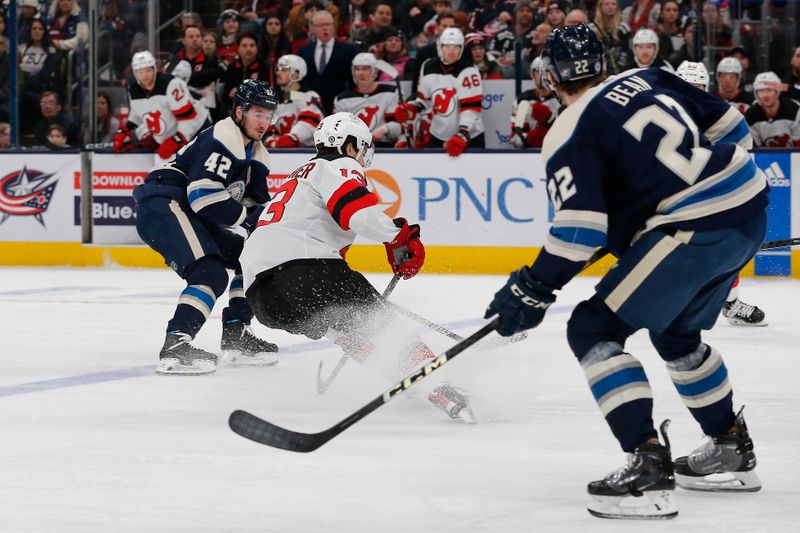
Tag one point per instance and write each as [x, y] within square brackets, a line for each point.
[328, 61]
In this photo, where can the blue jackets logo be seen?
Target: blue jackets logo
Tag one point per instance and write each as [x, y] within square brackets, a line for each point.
[26, 192]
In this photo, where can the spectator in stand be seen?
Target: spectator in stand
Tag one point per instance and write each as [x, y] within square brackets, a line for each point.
[476, 52]
[670, 34]
[645, 51]
[252, 10]
[52, 113]
[539, 38]
[556, 13]
[413, 15]
[774, 120]
[492, 16]
[228, 49]
[713, 28]
[37, 63]
[441, 8]
[575, 17]
[615, 34]
[354, 17]
[729, 77]
[5, 134]
[501, 45]
[642, 14]
[686, 52]
[67, 26]
[302, 34]
[328, 61]
[380, 28]
[393, 50]
[298, 20]
[744, 58]
[28, 12]
[274, 42]
[107, 123]
[794, 80]
[4, 89]
[205, 70]
[444, 21]
[247, 65]
[56, 137]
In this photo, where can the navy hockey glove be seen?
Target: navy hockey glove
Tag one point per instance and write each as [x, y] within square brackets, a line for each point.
[249, 223]
[521, 304]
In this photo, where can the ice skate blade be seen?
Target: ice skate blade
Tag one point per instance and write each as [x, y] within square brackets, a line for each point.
[733, 321]
[652, 505]
[173, 367]
[726, 482]
[236, 358]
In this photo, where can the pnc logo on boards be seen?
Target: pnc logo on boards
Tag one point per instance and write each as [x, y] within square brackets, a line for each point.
[386, 188]
[26, 192]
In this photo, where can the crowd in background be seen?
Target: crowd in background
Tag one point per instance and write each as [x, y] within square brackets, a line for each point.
[237, 39]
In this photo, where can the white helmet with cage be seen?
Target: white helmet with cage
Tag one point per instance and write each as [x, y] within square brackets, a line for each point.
[334, 131]
[365, 59]
[293, 63]
[141, 60]
[694, 73]
[731, 65]
[450, 36]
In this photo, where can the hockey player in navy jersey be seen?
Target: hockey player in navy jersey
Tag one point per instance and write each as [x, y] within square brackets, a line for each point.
[163, 114]
[656, 172]
[186, 210]
[295, 274]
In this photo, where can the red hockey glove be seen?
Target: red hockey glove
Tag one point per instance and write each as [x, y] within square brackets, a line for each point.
[121, 137]
[405, 113]
[540, 113]
[405, 253]
[535, 138]
[402, 143]
[285, 141]
[170, 146]
[422, 137]
[457, 143]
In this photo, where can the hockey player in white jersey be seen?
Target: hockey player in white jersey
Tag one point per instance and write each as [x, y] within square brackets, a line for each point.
[372, 102]
[295, 275]
[735, 311]
[299, 111]
[163, 115]
[533, 112]
[729, 79]
[450, 88]
[774, 119]
[645, 51]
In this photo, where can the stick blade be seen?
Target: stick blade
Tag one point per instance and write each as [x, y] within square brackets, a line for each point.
[251, 427]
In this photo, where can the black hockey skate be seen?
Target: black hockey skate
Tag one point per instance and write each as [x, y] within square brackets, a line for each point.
[643, 489]
[452, 401]
[181, 358]
[241, 348]
[739, 313]
[726, 463]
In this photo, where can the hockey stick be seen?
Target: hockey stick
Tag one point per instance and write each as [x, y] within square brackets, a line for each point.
[388, 69]
[258, 430]
[794, 241]
[322, 385]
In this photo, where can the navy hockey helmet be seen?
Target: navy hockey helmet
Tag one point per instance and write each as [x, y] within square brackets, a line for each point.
[572, 53]
[252, 92]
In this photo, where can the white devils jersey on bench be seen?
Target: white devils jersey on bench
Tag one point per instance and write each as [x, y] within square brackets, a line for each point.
[453, 93]
[375, 108]
[298, 116]
[315, 214]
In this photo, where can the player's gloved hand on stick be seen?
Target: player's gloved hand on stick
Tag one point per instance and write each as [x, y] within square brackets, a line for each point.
[405, 112]
[284, 141]
[540, 113]
[249, 223]
[521, 304]
[170, 146]
[457, 143]
[535, 138]
[405, 253]
[121, 137]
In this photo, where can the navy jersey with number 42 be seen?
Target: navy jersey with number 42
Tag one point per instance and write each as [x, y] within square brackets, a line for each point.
[643, 150]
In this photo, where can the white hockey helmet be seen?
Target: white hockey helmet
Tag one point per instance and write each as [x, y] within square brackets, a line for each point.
[645, 36]
[729, 64]
[767, 80]
[334, 130]
[450, 36]
[365, 59]
[536, 66]
[295, 64]
[694, 73]
[182, 70]
[143, 59]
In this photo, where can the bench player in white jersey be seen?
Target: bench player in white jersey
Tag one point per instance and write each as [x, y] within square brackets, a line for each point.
[729, 77]
[295, 275]
[299, 111]
[645, 51]
[736, 311]
[372, 102]
[773, 119]
[450, 88]
[533, 112]
[163, 115]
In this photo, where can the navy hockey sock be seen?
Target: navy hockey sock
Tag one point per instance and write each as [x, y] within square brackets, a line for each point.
[206, 282]
[238, 308]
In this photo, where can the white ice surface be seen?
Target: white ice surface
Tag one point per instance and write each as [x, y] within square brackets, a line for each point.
[154, 454]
